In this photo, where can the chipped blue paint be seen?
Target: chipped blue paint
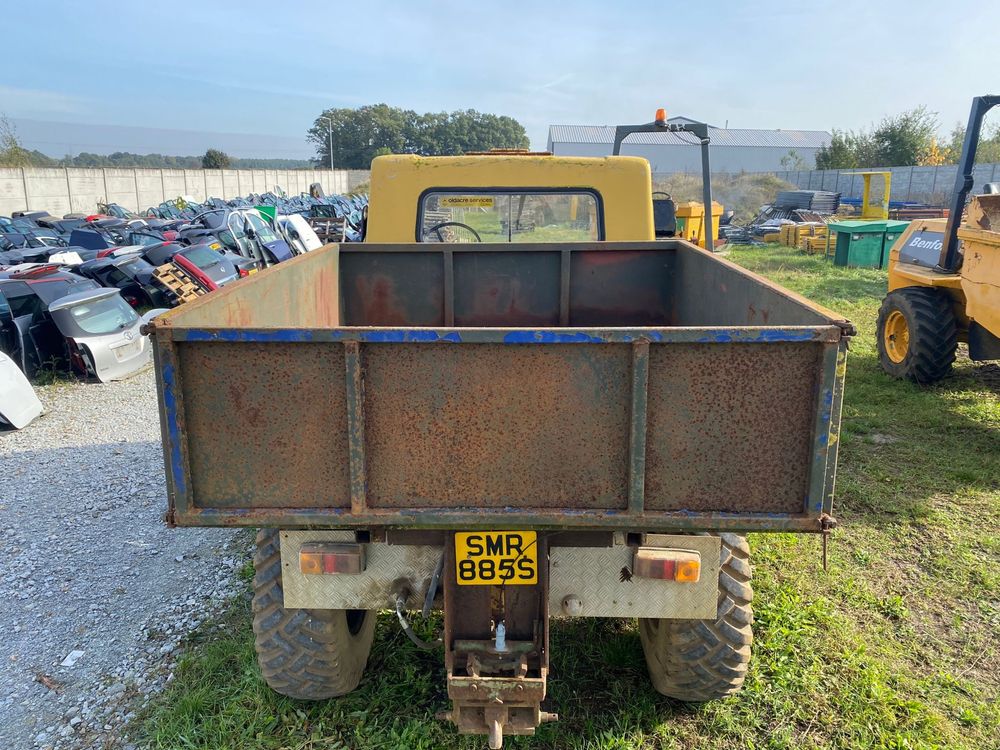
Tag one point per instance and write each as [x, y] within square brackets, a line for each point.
[405, 336]
[173, 430]
[280, 335]
[552, 337]
[763, 335]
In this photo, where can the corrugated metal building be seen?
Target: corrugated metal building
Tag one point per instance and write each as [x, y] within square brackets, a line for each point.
[732, 149]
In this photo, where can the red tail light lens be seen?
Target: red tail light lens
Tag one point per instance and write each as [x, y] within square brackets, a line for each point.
[683, 566]
[329, 559]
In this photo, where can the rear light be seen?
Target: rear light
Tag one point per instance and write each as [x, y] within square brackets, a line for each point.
[105, 253]
[132, 301]
[681, 565]
[243, 272]
[330, 559]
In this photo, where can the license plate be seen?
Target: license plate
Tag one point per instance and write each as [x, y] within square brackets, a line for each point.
[484, 558]
[127, 350]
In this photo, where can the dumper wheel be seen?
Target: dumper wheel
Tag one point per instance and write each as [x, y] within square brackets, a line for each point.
[701, 660]
[310, 654]
[917, 334]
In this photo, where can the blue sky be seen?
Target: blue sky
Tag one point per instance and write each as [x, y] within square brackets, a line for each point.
[197, 73]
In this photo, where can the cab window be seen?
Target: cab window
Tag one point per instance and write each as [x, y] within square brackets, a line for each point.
[509, 216]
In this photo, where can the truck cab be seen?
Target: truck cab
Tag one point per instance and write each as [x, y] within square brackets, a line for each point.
[509, 197]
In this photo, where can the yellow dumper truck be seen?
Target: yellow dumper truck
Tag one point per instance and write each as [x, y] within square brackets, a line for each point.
[510, 402]
[944, 279]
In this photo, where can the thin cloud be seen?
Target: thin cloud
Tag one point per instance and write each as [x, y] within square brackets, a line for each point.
[41, 101]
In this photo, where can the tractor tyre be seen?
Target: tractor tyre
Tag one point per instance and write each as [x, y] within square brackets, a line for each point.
[917, 334]
[702, 660]
[310, 654]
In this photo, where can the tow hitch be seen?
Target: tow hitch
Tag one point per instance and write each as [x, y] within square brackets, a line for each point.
[496, 652]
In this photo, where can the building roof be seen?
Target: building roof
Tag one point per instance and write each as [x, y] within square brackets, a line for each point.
[605, 134]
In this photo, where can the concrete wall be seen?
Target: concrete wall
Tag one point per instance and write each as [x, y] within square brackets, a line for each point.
[63, 191]
[668, 159]
[933, 185]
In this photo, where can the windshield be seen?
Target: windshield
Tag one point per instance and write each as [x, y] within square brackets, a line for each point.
[264, 232]
[105, 315]
[496, 216]
[202, 257]
[136, 267]
[138, 238]
[49, 290]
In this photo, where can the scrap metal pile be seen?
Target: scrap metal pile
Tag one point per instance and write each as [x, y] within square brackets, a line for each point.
[789, 207]
[75, 291]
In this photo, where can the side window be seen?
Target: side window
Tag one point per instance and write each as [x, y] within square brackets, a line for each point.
[236, 226]
[510, 216]
[25, 304]
[5, 312]
[116, 277]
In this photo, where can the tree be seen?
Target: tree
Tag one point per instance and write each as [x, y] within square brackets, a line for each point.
[901, 141]
[987, 152]
[935, 156]
[904, 140]
[12, 153]
[839, 154]
[792, 161]
[215, 159]
[361, 134]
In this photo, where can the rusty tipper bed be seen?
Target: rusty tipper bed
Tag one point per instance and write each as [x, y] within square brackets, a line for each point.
[643, 387]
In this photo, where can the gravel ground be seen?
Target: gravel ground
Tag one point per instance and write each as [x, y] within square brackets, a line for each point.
[98, 591]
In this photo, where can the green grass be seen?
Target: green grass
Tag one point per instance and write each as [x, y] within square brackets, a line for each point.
[896, 646]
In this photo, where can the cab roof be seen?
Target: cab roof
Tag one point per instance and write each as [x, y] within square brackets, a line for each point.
[623, 183]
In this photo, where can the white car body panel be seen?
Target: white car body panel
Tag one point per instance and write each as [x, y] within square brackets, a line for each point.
[308, 239]
[18, 403]
[68, 258]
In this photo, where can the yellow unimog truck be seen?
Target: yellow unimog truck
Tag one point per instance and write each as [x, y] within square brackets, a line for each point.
[509, 403]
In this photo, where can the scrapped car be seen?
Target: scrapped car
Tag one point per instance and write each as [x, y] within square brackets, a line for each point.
[231, 266]
[27, 332]
[242, 231]
[131, 274]
[220, 268]
[301, 237]
[103, 334]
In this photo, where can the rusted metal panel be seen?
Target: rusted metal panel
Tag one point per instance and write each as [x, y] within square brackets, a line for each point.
[497, 426]
[261, 433]
[730, 425]
[495, 287]
[662, 414]
[631, 288]
[376, 289]
[493, 519]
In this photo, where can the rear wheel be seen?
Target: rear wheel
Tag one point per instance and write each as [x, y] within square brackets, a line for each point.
[701, 660]
[917, 334]
[309, 654]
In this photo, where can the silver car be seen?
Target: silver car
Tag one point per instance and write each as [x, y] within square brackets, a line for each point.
[103, 330]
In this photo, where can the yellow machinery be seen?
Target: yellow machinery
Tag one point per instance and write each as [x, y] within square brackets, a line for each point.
[691, 220]
[871, 210]
[944, 280]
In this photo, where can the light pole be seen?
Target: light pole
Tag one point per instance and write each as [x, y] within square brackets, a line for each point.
[329, 123]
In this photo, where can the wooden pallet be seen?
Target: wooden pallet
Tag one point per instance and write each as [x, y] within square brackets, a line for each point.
[327, 228]
[177, 281]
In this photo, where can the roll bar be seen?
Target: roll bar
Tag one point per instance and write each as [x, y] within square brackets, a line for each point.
[698, 129]
[948, 262]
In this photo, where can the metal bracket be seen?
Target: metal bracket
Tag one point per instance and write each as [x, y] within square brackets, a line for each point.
[496, 692]
[826, 524]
